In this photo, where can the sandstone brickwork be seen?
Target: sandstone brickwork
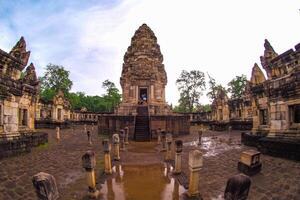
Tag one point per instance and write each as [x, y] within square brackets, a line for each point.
[276, 100]
[18, 93]
[143, 71]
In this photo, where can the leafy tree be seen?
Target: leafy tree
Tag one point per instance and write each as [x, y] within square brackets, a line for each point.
[214, 88]
[237, 86]
[191, 85]
[56, 78]
[112, 97]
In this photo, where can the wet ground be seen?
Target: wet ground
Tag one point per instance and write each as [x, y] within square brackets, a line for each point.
[142, 173]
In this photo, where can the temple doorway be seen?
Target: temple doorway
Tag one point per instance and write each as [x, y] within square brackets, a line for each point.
[143, 95]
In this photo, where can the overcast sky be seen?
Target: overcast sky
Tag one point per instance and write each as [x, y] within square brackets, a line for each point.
[89, 38]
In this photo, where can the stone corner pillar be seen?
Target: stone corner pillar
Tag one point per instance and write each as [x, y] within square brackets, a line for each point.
[169, 140]
[89, 164]
[107, 158]
[45, 186]
[195, 164]
[126, 135]
[116, 142]
[57, 133]
[179, 145]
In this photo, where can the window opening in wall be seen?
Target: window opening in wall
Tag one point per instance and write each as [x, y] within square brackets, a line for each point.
[263, 116]
[294, 113]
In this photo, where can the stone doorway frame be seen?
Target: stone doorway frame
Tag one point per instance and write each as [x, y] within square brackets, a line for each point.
[139, 93]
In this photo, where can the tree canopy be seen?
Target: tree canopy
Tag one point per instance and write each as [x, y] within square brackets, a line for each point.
[56, 78]
[214, 88]
[237, 86]
[191, 85]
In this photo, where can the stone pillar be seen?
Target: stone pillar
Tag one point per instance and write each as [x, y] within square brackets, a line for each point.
[84, 128]
[175, 194]
[195, 164]
[200, 137]
[89, 137]
[89, 164]
[45, 186]
[237, 187]
[122, 139]
[179, 145]
[169, 143]
[107, 158]
[158, 136]
[57, 133]
[116, 141]
[229, 133]
[126, 135]
[163, 140]
[92, 127]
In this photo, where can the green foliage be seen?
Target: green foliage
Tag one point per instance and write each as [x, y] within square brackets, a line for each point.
[104, 103]
[214, 88]
[237, 86]
[56, 78]
[47, 94]
[191, 85]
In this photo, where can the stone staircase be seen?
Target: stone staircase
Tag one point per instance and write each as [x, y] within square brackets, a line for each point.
[141, 132]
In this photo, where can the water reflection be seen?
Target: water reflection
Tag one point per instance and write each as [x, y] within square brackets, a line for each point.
[213, 146]
[142, 182]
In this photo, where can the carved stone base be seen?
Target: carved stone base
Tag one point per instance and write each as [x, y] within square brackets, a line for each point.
[249, 170]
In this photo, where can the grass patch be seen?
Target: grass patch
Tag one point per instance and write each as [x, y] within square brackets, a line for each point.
[43, 146]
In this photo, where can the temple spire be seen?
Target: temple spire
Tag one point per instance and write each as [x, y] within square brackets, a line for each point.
[30, 75]
[269, 54]
[257, 75]
[19, 52]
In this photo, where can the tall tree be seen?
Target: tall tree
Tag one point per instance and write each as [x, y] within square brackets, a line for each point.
[191, 85]
[237, 86]
[213, 88]
[56, 78]
[112, 96]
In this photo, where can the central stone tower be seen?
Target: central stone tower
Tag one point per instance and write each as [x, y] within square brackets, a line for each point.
[143, 78]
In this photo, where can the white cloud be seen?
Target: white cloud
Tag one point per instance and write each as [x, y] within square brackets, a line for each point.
[223, 38]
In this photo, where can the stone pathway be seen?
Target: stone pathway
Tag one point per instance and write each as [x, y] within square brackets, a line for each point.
[279, 178]
[61, 159]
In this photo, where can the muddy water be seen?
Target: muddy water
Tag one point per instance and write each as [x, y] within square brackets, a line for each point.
[214, 146]
[141, 182]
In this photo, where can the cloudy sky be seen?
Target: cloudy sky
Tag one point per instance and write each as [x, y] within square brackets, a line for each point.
[90, 37]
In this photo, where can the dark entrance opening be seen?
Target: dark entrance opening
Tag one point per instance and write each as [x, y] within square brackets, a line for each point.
[143, 95]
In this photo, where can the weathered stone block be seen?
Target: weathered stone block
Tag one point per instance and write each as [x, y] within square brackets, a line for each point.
[45, 186]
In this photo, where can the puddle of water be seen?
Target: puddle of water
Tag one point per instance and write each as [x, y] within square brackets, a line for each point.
[142, 182]
[213, 146]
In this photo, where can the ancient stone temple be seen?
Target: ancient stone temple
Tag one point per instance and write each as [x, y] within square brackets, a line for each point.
[18, 91]
[276, 100]
[52, 113]
[143, 78]
[143, 108]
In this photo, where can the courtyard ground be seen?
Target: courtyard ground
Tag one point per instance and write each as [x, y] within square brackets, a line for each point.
[142, 165]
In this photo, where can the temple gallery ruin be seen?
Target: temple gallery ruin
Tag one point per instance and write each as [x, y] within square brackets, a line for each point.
[244, 148]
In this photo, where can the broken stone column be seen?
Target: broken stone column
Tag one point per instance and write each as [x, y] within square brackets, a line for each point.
[126, 135]
[107, 158]
[89, 137]
[116, 141]
[237, 187]
[92, 127]
[122, 139]
[57, 133]
[84, 128]
[163, 140]
[229, 133]
[158, 136]
[89, 164]
[179, 145]
[200, 137]
[195, 164]
[45, 186]
[169, 143]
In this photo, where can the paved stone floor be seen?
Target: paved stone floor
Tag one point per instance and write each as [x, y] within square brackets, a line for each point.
[279, 178]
